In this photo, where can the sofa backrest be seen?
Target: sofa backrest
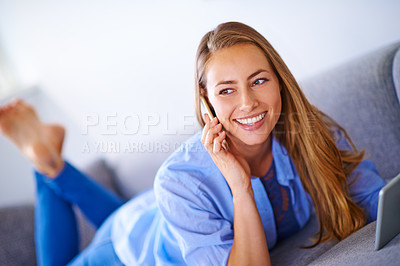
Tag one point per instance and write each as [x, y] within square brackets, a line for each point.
[363, 96]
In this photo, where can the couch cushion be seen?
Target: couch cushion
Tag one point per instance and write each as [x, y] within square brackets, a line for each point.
[16, 236]
[98, 171]
[291, 251]
[358, 249]
[361, 97]
[396, 73]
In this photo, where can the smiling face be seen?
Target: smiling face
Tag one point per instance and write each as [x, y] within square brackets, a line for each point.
[244, 92]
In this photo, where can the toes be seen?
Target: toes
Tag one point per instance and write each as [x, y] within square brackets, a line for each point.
[14, 103]
[3, 109]
[18, 104]
[23, 106]
[8, 106]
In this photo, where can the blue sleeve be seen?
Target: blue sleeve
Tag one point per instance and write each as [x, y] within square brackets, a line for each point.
[364, 182]
[203, 235]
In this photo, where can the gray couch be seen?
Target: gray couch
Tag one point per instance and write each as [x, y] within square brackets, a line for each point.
[362, 95]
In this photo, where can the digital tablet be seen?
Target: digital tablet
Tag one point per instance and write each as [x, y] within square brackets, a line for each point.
[388, 220]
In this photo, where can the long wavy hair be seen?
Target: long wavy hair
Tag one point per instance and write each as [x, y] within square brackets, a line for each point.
[305, 132]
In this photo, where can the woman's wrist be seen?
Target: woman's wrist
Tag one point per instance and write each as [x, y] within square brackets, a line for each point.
[242, 193]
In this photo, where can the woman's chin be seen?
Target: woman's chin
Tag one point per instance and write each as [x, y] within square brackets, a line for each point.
[250, 140]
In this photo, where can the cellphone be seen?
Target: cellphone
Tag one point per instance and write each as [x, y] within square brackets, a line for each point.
[206, 107]
[211, 115]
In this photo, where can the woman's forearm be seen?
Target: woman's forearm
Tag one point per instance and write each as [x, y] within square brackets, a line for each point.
[249, 244]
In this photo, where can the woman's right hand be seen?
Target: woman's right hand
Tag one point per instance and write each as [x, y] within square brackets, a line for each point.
[249, 244]
[234, 168]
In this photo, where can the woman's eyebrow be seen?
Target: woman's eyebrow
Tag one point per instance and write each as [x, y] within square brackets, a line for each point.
[224, 82]
[256, 73]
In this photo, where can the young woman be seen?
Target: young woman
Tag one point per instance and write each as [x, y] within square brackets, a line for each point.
[253, 175]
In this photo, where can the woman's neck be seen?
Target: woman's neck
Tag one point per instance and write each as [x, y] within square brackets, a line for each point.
[259, 157]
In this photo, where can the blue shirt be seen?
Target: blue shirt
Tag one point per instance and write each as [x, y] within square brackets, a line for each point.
[279, 196]
[188, 217]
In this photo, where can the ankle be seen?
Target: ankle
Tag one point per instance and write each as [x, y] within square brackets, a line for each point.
[56, 170]
[51, 171]
[46, 159]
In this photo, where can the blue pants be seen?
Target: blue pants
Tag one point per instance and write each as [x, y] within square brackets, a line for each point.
[56, 229]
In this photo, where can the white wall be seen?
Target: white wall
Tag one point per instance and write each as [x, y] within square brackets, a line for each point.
[125, 62]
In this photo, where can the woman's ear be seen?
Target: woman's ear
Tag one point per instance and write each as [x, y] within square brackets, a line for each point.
[280, 85]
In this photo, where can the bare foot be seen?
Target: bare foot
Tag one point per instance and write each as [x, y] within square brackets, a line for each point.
[40, 143]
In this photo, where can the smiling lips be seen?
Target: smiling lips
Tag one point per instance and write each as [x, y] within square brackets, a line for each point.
[251, 123]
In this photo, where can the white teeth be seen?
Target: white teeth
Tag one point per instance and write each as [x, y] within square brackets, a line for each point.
[249, 121]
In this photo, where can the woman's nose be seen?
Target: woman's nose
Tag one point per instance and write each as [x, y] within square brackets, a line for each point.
[247, 101]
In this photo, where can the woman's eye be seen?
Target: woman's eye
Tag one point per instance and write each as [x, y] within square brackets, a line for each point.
[225, 91]
[259, 81]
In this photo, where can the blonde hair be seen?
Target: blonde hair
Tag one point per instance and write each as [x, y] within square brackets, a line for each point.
[305, 132]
